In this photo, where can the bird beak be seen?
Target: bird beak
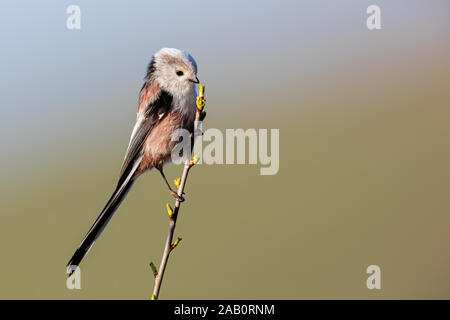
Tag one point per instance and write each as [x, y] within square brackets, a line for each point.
[195, 81]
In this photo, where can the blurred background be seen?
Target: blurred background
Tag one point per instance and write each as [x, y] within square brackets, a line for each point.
[364, 150]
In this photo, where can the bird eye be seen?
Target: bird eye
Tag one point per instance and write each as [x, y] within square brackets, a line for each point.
[180, 73]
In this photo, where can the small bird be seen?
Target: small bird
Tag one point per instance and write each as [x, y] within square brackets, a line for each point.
[166, 103]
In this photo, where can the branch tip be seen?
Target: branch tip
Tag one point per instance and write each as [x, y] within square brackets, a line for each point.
[201, 90]
[194, 160]
[200, 101]
[173, 246]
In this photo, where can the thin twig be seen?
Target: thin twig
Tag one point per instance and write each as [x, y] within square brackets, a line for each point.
[173, 214]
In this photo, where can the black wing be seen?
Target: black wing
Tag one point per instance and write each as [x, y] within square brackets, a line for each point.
[150, 115]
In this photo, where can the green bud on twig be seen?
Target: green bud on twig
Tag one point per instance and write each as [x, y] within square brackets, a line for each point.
[169, 210]
[177, 182]
[155, 271]
[175, 243]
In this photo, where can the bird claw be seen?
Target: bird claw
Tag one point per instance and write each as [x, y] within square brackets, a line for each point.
[176, 196]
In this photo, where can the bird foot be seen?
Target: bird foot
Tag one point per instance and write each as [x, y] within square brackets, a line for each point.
[176, 196]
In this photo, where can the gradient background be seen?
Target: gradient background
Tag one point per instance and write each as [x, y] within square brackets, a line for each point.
[364, 150]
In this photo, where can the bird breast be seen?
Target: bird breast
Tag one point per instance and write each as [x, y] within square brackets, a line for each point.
[158, 145]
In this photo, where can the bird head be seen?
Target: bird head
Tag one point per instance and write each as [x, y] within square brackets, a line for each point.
[174, 70]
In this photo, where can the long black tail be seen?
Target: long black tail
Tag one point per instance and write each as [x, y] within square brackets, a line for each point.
[94, 232]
